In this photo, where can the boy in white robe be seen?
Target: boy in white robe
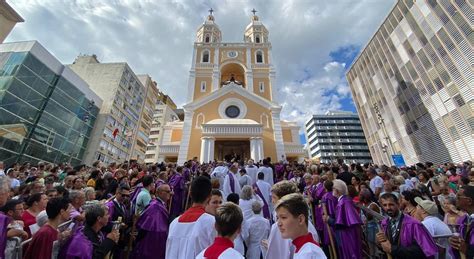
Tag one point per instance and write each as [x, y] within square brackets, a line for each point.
[228, 225]
[292, 213]
[193, 231]
[277, 246]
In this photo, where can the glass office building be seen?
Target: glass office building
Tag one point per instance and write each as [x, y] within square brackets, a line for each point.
[413, 83]
[337, 136]
[46, 111]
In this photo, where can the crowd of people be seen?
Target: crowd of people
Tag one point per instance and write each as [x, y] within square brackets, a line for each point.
[236, 209]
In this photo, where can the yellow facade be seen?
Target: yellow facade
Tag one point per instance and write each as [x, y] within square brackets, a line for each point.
[230, 100]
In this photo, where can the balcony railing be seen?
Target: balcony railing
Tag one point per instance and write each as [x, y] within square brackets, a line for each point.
[168, 149]
[294, 149]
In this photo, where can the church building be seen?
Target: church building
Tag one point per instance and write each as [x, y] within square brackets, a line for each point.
[231, 110]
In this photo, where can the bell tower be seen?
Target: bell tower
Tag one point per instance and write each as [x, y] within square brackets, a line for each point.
[256, 32]
[209, 32]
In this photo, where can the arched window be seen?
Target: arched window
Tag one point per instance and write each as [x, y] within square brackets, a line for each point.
[264, 121]
[207, 38]
[259, 56]
[205, 56]
[257, 39]
[203, 86]
[199, 120]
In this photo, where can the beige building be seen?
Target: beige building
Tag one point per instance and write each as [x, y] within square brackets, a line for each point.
[231, 110]
[164, 113]
[413, 83]
[118, 123]
[8, 19]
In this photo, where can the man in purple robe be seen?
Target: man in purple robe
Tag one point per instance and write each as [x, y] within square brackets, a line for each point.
[347, 223]
[118, 208]
[153, 227]
[464, 242]
[330, 202]
[88, 241]
[403, 236]
[176, 181]
[317, 191]
[4, 220]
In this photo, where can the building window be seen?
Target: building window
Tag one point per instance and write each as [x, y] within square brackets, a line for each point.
[458, 100]
[203, 86]
[205, 56]
[257, 39]
[261, 86]
[207, 39]
[259, 57]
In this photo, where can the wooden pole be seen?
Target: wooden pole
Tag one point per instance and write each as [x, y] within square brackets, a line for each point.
[332, 249]
[389, 256]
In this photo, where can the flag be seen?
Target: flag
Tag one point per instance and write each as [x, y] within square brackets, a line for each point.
[116, 131]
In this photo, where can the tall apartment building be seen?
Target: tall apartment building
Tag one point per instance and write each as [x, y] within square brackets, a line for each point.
[47, 112]
[164, 112]
[118, 123]
[8, 19]
[337, 135]
[413, 83]
[146, 118]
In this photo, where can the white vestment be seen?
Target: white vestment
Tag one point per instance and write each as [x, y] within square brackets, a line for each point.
[227, 189]
[245, 180]
[256, 229]
[266, 190]
[310, 251]
[188, 239]
[229, 253]
[220, 172]
[246, 206]
[267, 174]
[279, 248]
[252, 172]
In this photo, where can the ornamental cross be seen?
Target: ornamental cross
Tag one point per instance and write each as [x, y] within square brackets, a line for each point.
[211, 11]
[254, 11]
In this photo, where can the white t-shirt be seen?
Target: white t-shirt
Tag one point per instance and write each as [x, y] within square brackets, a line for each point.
[376, 182]
[436, 227]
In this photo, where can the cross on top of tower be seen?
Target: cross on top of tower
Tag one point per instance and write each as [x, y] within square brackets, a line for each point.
[211, 11]
[254, 11]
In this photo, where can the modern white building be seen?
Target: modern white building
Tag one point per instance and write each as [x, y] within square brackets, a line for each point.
[337, 135]
[413, 83]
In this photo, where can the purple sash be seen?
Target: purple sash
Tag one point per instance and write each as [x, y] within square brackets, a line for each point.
[266, 210]
[232, 182]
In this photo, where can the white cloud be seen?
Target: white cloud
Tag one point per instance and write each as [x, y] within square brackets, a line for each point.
[156, 37]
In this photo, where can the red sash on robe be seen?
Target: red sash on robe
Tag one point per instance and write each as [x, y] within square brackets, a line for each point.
[218, 247]
[300, 241]
[192, 214]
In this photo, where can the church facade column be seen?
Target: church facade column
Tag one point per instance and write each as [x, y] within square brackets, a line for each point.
[256, 148]
[204, 158]
[211, 143]
[186, 136]
[215, 71]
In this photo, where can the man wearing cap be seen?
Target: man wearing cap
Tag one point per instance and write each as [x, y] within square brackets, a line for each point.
[427, 211]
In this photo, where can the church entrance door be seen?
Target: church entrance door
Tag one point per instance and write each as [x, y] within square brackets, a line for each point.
[232, 150]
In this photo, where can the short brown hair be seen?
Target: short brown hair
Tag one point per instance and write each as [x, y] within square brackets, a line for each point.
[228, 219]
[283, 188]
[295, 204]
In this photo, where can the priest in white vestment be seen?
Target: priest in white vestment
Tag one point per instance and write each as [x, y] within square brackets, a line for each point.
[256, 229]
[231, 182]
[252, 171]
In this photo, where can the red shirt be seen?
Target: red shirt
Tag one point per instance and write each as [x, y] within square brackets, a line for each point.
[41, 246]
[218, 247]
[28, 219]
